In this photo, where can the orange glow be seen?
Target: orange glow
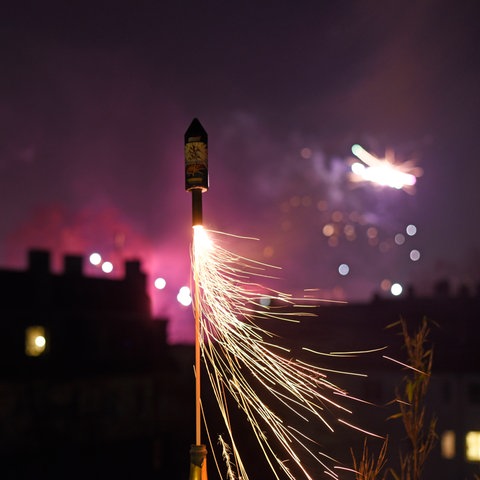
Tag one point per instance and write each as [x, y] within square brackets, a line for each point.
[385, 284]
[328, 230]
[372, 232]
[448, 444]
[35, 341]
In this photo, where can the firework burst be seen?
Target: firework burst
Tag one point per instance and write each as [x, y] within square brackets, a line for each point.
[384, 171]
[245, 361]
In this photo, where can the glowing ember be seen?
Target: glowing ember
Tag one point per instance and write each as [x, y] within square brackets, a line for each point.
[238, 353]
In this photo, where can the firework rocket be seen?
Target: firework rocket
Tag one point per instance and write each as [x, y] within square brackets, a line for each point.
[196, 181]
[196, 167]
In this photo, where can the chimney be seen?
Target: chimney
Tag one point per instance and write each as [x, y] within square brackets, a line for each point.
[73, 265]
[133, 269]
[39, 261]
[134, 275]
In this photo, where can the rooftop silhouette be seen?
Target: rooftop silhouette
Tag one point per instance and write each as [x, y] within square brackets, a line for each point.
[88, 379]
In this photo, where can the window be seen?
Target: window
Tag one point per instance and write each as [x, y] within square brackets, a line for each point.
[447, 444]
[35, 341]
[447, 391]
[474, 393]
[472, 443]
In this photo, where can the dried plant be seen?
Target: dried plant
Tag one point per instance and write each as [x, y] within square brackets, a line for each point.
[410, 398]
[370, 466]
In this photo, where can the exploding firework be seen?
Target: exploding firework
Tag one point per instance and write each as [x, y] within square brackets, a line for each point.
[245, 361]
[384, 172]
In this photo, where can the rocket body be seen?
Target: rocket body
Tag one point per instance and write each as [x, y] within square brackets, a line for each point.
[196, 157]
[196, 167]
[196, 181]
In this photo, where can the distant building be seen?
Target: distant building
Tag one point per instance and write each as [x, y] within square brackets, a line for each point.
[87, 379]
[90, 388]
[454, 391]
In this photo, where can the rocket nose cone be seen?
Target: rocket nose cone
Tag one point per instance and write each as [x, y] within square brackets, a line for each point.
[195, 129]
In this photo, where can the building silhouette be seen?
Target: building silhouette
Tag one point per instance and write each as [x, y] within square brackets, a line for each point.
[89, 385]
[454, 390]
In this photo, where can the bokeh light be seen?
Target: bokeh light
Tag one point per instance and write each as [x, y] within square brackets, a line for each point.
[328, 230]
[396, 289]
[306, 153]
[343, 269]
[160, 283]
[414, 255]
[95, 258]
[411, 230]
[399, 239]
[184, 296]
[107, 267]
[265, 301]
[385, 284]
[40, 341]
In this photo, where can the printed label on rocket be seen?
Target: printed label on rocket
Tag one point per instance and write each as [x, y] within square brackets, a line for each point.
[196, 165]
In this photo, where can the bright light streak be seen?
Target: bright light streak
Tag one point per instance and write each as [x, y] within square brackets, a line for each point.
[107, 267]
[242, 359]
[384, 172]
[95, 258]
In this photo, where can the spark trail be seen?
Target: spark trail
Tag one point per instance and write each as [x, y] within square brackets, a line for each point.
[243, 359]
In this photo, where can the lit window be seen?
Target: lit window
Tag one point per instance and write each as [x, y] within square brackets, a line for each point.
[35, 341]
[448, 444]
[472, 442]
[265, 301]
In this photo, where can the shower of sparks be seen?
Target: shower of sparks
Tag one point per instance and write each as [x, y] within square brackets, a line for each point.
[243, 358]
[384, 171]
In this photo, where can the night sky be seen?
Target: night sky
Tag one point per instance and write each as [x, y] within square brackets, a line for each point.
[95, 98]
